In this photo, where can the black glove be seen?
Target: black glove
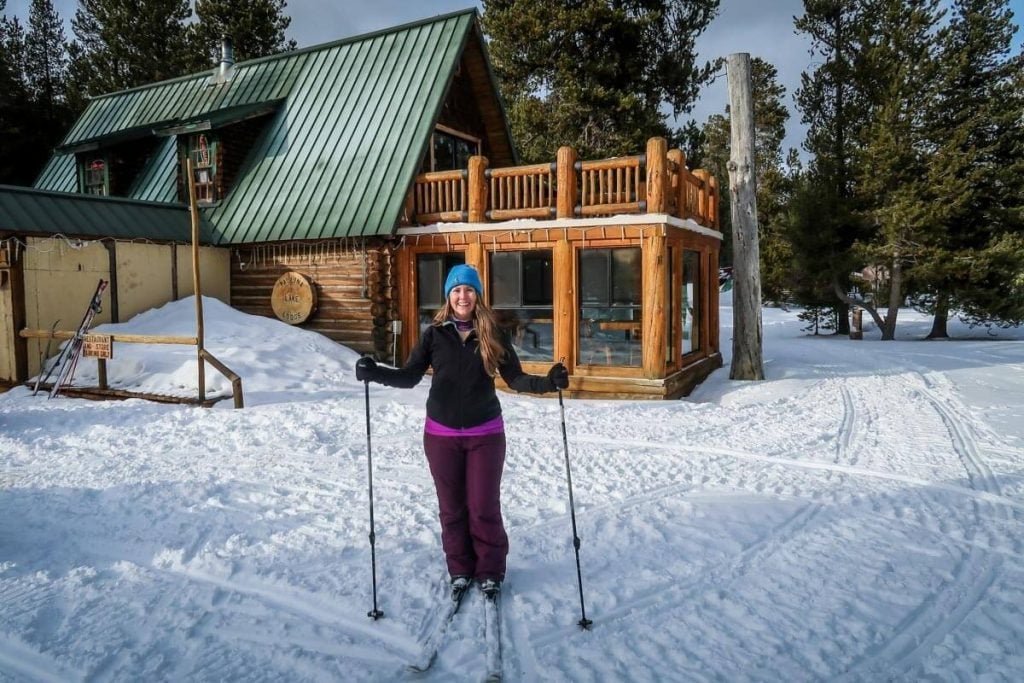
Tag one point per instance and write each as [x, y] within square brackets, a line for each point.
[366, 369]
[558, 376]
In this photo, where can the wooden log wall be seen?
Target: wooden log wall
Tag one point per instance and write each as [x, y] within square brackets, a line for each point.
[355, 282]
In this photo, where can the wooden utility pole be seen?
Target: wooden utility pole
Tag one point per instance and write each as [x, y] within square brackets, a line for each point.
[196, 285]
[746, 295]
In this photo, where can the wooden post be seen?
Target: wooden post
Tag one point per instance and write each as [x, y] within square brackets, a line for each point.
[477, 189]
[196, 285]
[564, 308]
[566, 170]
[679, 159]
[101, 372]
[475, 257]
[657, 154]
[655, 302]
[747, 361]
[703, 194]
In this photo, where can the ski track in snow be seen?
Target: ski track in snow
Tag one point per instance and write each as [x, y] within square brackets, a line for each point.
[856, 517]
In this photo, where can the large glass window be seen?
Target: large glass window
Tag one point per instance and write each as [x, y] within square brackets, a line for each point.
[452, 151]
[670, 346]
[691, 301]
[610, 307]
[431, 272]
[522, 299]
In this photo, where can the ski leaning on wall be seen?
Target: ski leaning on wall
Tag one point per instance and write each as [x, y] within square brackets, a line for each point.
[67, 361]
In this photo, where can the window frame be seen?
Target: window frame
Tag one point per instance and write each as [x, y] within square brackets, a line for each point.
[206, 192]
[452, 133]
[85, 162]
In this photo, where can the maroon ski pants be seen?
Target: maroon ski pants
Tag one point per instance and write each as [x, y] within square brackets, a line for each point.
[467, 476]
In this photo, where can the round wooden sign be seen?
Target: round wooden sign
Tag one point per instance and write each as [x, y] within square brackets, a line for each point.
[293, 298]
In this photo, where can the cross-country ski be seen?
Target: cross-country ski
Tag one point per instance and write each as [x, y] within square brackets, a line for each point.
[435, 638]
[67, 361]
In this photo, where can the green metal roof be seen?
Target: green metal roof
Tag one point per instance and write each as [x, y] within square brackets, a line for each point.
[25, 210]
[353, 120]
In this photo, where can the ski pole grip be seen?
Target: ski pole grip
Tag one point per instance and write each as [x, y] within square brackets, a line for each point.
[373, 538]
[576, 542]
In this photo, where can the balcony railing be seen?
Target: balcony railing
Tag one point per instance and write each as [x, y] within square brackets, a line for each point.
[655, 182]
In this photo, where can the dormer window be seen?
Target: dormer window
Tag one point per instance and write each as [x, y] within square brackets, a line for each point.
[95, 178]
[202, 149]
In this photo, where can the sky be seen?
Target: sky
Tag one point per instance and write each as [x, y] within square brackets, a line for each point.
[763, 29]
[856, 516]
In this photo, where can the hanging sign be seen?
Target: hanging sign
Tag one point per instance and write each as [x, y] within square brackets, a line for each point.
[293, 298]
[98, 346]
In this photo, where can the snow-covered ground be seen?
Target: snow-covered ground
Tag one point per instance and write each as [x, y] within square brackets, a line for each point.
[858, 516]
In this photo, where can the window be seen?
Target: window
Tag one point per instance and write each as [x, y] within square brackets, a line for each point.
[691, 301]
[203, 153]
[522, 299]
[95, 176]
[671, 328]
[431, 272]
[610, 307]
[452, 150]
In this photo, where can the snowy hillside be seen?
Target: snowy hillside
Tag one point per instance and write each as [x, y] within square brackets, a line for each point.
[858, 516]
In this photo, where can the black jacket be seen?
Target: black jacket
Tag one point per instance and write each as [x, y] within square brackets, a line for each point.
[462, 394]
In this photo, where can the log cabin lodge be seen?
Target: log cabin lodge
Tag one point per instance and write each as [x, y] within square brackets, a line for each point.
[363, 170]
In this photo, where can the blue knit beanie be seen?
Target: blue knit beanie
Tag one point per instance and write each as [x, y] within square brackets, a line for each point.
[462, 275]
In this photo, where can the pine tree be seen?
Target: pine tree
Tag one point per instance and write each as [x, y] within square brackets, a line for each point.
[16, 124]
[824, 224]
[46, 65]
[595, 74]
[900, 57]
[256, 27]
[121, 45]
[46, 60]
[976, 172]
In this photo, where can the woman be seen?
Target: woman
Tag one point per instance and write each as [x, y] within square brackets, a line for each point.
[464, 436]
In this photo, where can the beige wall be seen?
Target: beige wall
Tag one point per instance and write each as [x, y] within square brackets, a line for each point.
[214, 268]
[7, 331]
[59, 280]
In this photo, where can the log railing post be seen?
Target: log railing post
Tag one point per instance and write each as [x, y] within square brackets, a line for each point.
[657, 151]
[566, 170]
[677, 157]
[702, 196]
[477, 189]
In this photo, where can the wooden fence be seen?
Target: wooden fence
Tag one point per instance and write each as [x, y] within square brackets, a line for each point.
[655, 182]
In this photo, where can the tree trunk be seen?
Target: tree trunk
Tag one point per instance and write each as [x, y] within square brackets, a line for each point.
[941, 316]
[895, 299]
[747, 361]
[849, 300]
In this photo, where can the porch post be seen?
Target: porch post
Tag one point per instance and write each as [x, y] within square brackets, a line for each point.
[564, 308]
[477, 189]
[566, 170]
[655, 302]
[702, 196]
[657, 150]
[678, 191]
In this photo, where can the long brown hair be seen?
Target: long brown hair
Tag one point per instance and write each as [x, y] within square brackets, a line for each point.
[492, 351]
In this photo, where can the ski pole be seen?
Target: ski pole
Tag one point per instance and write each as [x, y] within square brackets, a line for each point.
[374, 613]
[584, 623]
